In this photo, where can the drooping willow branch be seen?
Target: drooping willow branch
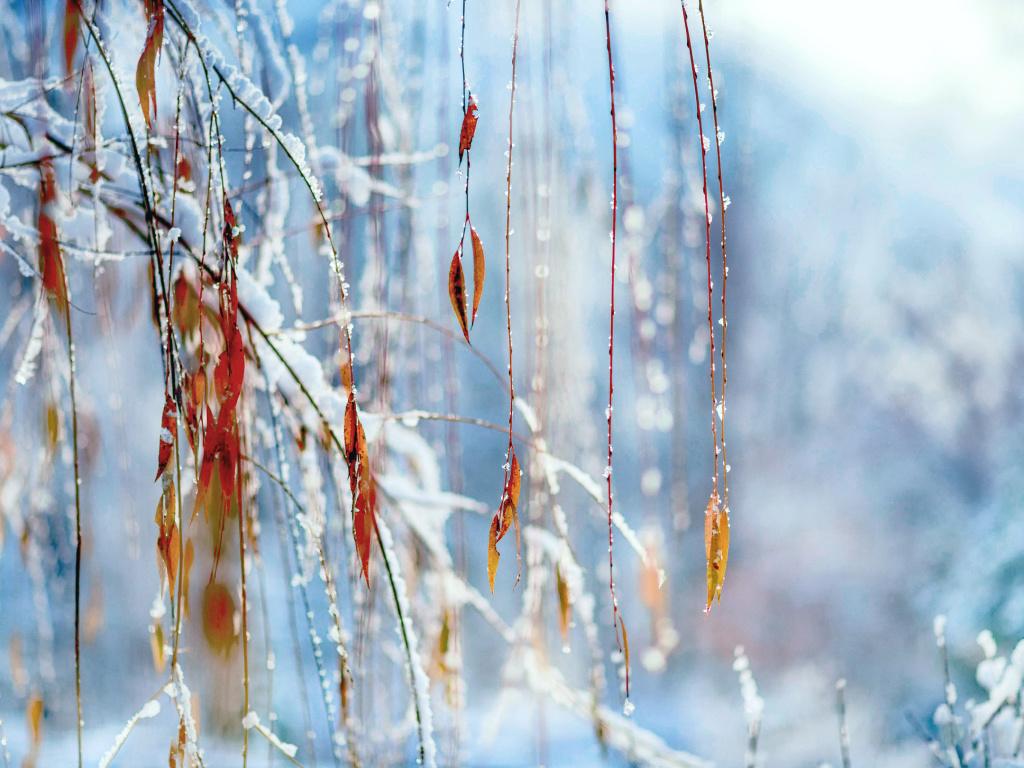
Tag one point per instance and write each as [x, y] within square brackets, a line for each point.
[623, 642]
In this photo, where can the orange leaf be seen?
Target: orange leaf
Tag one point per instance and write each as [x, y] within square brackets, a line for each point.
[478, 271]
[564, 606]
[505, 519]
[34, 715]
[468, 127]
[457, 292]
[625, 648]
[351, 428]
[716, 548]
[514, 481]
[219, 617]
[362, 521]
[168, 546]
[145, 73]
[168, 428]
[492, 550]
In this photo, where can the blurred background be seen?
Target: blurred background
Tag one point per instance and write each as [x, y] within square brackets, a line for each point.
[874, 169]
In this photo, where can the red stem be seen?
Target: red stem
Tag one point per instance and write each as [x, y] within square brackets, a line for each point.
[707, 227]
[611, 330]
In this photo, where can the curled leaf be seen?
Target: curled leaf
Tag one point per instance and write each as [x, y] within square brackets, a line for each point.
[505, 518]
[479, 267]
[457, 292]
[468, 127]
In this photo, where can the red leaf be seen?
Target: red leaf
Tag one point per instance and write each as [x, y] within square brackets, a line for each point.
[72, 15]
[145, 73]
[168, 428]
[478, 272]
[468, 127]
[229, 371]
[50, 258]
[457, 292]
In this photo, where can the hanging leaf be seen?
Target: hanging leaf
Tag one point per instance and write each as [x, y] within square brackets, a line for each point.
[625, 648]
[72, 16]
[145, 73]
[168, 428]
[478, 272]
[230, 370]
[457, 292]
[564, 606]
[504, 519]
[218, 617]
[156, 646]
[34, 716]
[50, 258]
[716, 548]
[351, 427]
[468, 127]
[168, 547]
[362, 522]
[492, 550]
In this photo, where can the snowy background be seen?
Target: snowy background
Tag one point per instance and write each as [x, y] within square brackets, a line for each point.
[873, 160]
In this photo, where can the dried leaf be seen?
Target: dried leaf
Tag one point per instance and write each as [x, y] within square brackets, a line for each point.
[168, 547]
[564, 606]
[72, 16]
[515, 477]
[351, 427]
[50, 258]
[716, 548]
[218, 617]
[457, 292]
[156, 645]
[34, 717]
[362, 522]
[230, 370]
[625, 648]
[492, 551]
[505, 519]
[479, 267]
[468, 127]
[168, 429]
[145, 73]
[52, 425]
